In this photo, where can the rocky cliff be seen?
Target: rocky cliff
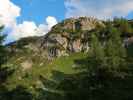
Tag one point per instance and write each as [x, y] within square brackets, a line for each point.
[68, 36]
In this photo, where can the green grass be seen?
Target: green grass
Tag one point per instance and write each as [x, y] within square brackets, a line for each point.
[40, 67]
[67, 64]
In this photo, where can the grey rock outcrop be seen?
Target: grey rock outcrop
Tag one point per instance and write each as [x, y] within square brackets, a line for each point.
[68, 36]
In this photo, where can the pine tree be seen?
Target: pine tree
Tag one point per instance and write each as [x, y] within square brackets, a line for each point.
[96, 59]
[115, 51]
[2, 47]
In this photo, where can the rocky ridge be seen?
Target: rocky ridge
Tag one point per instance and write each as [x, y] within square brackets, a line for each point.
[69, 36]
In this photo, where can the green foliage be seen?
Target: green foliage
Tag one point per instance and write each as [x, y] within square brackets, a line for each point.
[23, 41]
[2, 47]
[96, 48]
[115, 51]
[96, 55]
[123, 26]
[103, 78]
[105, 73]
[5, 72]
[18, 93]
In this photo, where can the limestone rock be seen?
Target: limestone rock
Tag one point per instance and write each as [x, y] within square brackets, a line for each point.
[70, 35]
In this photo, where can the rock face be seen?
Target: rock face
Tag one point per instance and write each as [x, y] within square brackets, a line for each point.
[68, 36]
[82, 23]
[71, 35]
[76, 45]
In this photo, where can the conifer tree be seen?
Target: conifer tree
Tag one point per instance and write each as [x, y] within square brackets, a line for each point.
[115, 51]
[2, 47]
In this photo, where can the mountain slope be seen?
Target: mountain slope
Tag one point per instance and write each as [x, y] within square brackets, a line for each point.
[67, 42]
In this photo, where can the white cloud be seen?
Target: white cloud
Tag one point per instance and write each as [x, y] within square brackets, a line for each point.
[29, 28]
[51, 21]
[8, 14]
[44, 28]
[102, 9]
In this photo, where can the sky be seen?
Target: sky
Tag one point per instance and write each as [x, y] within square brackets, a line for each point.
[23, 18]
[38, 10]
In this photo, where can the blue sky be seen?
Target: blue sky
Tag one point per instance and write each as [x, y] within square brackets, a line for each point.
[38, 10]
[130, 15]
[23, 18]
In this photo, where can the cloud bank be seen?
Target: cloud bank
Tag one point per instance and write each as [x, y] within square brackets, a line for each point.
[8, 13]
[8, 17]
[102, 9]
[29, 28]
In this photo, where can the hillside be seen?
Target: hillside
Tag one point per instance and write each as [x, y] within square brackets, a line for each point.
[58, 51]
